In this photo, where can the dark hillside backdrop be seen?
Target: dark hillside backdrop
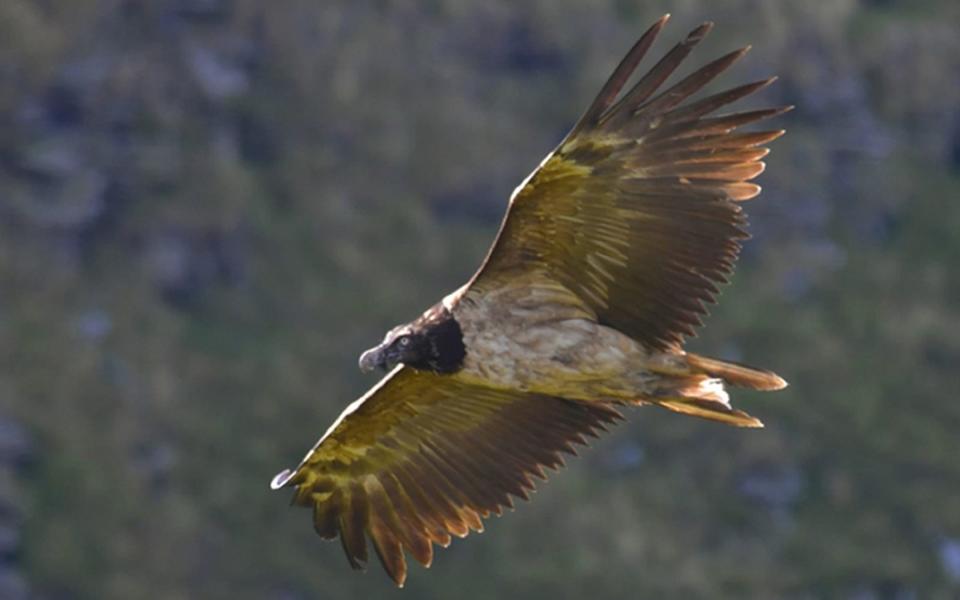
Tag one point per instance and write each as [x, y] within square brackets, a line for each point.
[208, 208]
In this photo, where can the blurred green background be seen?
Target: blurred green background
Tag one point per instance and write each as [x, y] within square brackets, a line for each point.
[208, 208]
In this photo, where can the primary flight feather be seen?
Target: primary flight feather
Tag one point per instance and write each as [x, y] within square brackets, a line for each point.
[604, 262]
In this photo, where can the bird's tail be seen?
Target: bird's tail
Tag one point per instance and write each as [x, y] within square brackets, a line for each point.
[700, 391]
[736, 374]
[702, 396]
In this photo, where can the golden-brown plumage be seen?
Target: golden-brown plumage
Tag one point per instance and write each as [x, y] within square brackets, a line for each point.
[637, 210]
[424, 456]
[604, 262]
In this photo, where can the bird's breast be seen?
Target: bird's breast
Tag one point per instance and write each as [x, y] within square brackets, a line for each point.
[522, 340]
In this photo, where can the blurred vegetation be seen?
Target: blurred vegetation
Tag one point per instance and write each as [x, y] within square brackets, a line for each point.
[209, 208]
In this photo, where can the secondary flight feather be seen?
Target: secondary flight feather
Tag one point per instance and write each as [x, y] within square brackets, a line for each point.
[604, 262]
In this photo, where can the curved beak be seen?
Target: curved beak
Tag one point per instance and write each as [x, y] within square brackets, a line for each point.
[373, 359]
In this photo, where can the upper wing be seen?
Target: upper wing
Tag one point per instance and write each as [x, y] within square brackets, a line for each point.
[636, 211]
[422, 456]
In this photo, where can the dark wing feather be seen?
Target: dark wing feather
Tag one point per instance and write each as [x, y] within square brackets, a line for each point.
[423, 457]
[636, 212]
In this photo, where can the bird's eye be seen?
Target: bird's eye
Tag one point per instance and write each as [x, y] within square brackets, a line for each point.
[405, 341]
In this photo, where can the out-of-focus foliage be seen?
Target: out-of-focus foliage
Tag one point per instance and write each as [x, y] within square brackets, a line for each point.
[208, 208]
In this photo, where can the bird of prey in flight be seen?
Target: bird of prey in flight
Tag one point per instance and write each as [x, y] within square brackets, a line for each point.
[604, 262]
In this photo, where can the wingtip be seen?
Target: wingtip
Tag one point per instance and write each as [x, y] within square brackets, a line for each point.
[776, 134]
[699, 32]
[762, 84]
[741, 52]
[658, 25]
[281, 479]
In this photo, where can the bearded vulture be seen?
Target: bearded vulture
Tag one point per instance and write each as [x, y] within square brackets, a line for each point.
[604, 262]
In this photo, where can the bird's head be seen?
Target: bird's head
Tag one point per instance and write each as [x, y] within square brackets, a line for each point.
[433, 342]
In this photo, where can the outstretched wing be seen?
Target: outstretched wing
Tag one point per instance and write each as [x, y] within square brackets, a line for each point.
[637, 212]
[422, 457]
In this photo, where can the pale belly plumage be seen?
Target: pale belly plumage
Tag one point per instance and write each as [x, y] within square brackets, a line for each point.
[534, 338]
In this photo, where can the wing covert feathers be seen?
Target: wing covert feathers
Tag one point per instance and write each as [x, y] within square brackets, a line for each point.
[423, 458]
[637, 212]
